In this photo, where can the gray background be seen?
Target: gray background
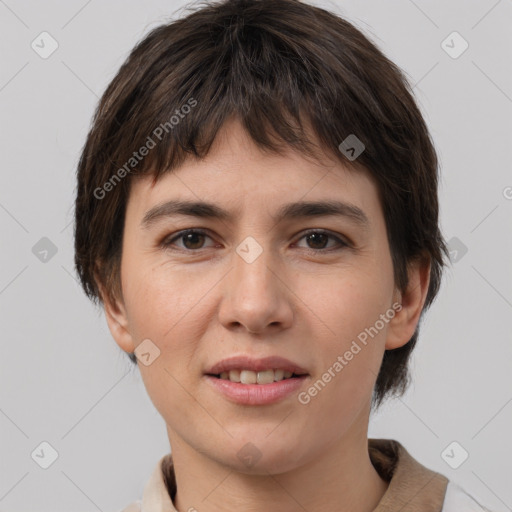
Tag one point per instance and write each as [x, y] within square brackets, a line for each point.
[65, 381]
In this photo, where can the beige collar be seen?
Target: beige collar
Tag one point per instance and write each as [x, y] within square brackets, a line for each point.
[412, 485]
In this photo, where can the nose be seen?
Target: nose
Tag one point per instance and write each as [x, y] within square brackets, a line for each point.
[255, 295]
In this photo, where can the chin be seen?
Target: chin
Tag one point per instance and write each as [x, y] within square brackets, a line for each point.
[260, 456]
[266, 465]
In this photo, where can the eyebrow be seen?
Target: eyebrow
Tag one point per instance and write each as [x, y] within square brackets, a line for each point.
[297, 210]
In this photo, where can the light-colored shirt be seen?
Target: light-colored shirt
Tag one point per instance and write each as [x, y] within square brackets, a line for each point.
[412, 486]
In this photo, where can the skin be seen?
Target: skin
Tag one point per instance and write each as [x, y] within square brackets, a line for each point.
[206, 304]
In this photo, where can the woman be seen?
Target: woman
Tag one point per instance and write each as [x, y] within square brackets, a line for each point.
[257, 212]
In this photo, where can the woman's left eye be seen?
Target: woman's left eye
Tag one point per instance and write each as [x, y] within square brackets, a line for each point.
[192, 238]
[318, 236]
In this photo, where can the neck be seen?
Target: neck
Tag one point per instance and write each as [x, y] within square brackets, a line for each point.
[340, 479]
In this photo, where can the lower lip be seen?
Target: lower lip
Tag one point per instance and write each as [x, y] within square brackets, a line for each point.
[256, 394]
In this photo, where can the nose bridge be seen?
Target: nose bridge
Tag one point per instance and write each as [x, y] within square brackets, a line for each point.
[254, 295]
[253, 267]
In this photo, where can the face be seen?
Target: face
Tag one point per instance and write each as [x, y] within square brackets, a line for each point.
[301, 287]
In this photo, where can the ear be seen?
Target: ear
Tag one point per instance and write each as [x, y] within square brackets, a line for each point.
[117, 320]
[401, 328]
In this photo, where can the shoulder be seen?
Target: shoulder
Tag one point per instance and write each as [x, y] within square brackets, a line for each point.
[458, 500]
[157, 494]
[136, 506]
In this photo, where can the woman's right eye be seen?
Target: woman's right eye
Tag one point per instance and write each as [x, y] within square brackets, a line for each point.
[191, 239]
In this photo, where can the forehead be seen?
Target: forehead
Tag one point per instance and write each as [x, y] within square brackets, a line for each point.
[240, 176]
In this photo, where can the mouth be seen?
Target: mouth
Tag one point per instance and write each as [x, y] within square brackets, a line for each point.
[245, 380]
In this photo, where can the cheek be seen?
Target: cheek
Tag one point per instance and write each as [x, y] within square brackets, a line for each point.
[165, 306]
[349, 302]
[350, 333]
[159, 296]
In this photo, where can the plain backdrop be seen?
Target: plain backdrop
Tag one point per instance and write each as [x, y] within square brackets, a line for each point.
[64, 381]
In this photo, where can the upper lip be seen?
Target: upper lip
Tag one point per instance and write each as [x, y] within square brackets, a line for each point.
[256, 365]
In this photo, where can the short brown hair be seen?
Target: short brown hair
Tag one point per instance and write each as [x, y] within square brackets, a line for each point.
[276, 65]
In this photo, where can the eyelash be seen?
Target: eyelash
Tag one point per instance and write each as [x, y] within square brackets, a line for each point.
[167, 242]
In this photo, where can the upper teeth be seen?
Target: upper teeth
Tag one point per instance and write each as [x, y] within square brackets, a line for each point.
[250, 377]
